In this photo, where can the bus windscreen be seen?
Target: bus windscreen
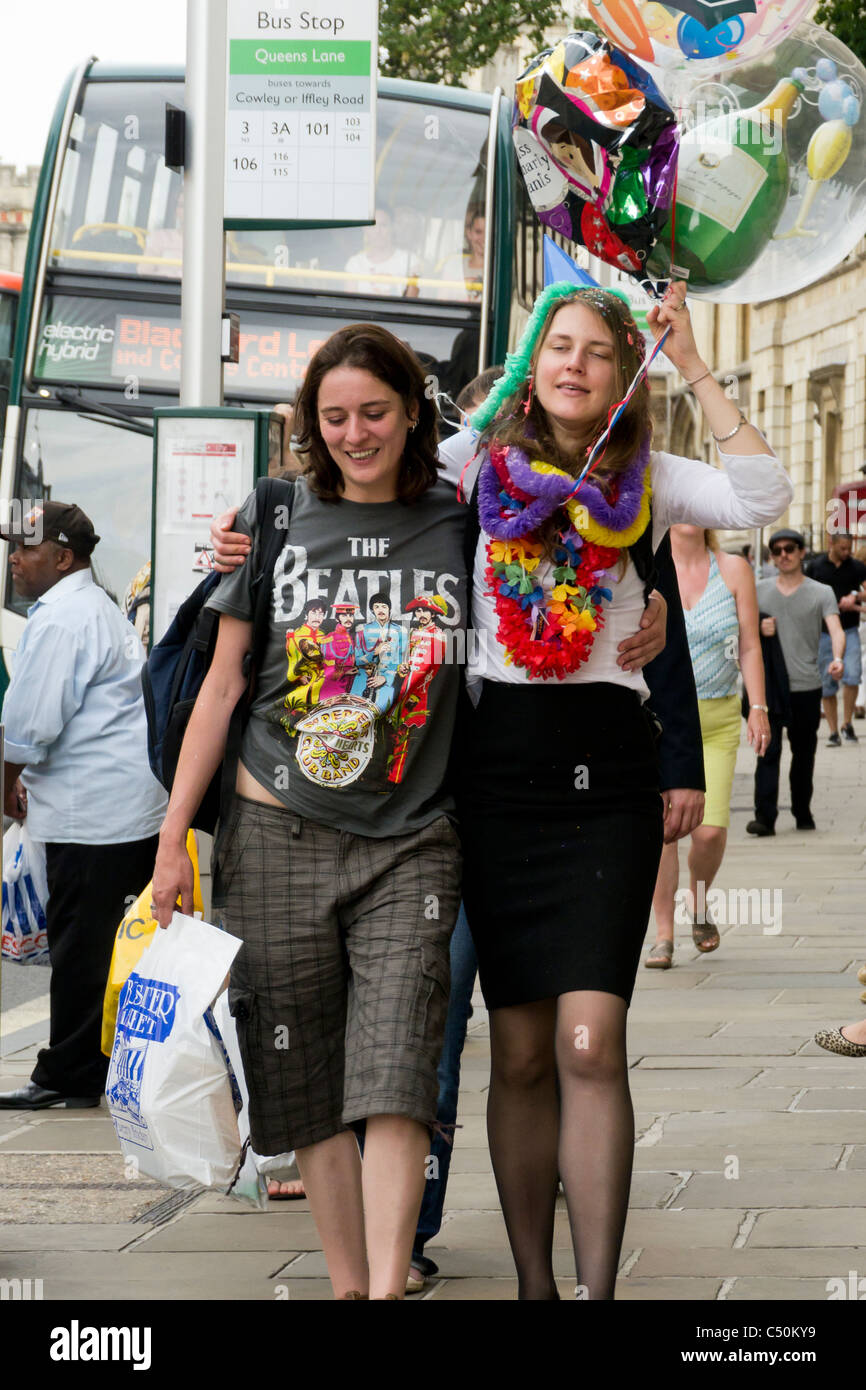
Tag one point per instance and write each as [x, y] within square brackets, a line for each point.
[121, 211]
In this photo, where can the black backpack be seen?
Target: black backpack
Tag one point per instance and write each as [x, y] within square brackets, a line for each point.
[172, 676]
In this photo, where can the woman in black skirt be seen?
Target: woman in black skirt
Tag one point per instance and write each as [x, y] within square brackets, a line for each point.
[560, 807]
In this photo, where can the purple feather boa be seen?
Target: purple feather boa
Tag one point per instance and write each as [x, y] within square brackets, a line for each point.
[548, 491]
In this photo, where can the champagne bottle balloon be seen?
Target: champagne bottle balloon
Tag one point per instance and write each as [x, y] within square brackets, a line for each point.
[828, 149]
[732, 186]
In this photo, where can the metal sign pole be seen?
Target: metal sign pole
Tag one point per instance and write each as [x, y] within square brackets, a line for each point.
[203, 279]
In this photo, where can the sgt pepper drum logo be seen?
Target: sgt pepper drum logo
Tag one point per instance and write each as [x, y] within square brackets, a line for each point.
[335, 742]
[358, 687]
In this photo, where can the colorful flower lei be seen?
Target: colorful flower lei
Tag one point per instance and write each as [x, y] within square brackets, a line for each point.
[552, 636]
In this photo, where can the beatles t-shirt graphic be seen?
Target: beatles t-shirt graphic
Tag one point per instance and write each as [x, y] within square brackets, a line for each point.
[352, 682]
[353, 712]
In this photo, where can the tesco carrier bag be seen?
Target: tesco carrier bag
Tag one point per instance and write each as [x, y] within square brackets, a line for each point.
[25, 897]
[171, 1090]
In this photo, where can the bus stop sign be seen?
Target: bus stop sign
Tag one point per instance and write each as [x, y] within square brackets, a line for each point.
[301, 113]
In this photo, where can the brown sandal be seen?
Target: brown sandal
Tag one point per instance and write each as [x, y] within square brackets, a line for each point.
[661, 957]
[705, 935]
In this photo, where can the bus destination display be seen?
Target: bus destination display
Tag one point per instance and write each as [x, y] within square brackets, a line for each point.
[300, 111]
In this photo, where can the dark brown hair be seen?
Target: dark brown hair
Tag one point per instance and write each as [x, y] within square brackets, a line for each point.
[373, 349]
[478, 389]
[533, 432]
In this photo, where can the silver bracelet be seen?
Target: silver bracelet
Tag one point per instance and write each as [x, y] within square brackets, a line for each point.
[698, 378]
[722, 438]
[765, 708]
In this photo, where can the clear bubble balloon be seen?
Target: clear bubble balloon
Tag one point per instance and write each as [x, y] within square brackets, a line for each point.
[698, 35]
[771, 179]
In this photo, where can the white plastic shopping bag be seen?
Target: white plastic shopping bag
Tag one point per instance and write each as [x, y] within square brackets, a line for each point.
[25, 896]
[251, 1185]
[171, 1090]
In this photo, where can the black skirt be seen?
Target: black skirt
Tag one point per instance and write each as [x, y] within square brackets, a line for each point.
[561, 819]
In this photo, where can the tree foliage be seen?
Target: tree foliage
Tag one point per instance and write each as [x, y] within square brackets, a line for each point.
[444, 40]
[847, 20]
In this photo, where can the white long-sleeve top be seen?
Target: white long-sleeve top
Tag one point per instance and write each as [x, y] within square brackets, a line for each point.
[750, 490]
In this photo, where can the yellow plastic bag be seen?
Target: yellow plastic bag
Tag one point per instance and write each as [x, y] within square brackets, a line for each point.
[133, 935]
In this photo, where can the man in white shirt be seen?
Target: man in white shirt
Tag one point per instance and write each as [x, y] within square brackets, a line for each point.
[76, 766]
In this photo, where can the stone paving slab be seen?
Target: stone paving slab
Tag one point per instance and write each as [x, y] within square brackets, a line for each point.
[84, 1274]
[59, 1237]
[706, 1063]
[839, 1098]
[688, 1078]
[677, 1229]
[809, 1071]
[747, 1290]
[713, 1099]
[807, 1261]
[57, 1136]
[773, 1188]
[475, 1290]
[815, 1226]
[773, 1027]
[723, 1046]
[787, 1127]
[654, 1290]
[253, 1231]
[689, 1158]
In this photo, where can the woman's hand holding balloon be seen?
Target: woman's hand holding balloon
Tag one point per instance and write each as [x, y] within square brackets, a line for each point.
[680, 347]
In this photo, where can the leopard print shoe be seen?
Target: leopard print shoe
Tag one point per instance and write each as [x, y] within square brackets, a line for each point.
[834, 1040]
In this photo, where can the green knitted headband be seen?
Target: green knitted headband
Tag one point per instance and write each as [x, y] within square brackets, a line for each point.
[517, 363]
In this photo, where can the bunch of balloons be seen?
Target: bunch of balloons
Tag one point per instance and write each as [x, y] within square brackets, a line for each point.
[718, 140]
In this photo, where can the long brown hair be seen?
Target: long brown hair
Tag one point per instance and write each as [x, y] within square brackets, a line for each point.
[372, 349]
[532, 431]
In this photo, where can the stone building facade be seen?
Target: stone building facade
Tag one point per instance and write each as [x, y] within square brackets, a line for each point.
[797, 366]
[17, 195]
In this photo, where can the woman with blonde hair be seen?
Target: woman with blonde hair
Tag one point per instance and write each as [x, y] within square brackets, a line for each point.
[720, 603]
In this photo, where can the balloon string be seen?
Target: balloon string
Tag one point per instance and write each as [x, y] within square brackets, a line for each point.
[461, 493]
[673, 219]
[599, 449]
[600, 446]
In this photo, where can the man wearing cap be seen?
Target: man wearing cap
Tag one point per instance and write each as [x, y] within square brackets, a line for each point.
[76, 766]
[793, 606]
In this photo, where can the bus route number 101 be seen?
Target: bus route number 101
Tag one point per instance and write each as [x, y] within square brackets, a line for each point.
[317, 127]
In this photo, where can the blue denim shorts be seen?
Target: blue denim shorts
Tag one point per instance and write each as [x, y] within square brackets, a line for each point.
[852, 673]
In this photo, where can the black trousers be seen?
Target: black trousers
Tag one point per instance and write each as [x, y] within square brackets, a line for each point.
[90, 889]
[803, 738]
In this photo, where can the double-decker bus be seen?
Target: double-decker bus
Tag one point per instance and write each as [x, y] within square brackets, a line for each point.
[97, 345]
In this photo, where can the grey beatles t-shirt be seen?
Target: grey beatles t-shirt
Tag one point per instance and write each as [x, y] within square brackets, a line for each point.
[798, 626]
[354, 705]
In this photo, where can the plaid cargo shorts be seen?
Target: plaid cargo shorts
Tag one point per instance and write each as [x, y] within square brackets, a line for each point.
[340, 990]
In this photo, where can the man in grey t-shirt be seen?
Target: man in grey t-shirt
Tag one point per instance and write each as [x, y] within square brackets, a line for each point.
[792, 607]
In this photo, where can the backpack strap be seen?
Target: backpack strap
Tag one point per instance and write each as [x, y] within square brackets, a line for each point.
[274, 501]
